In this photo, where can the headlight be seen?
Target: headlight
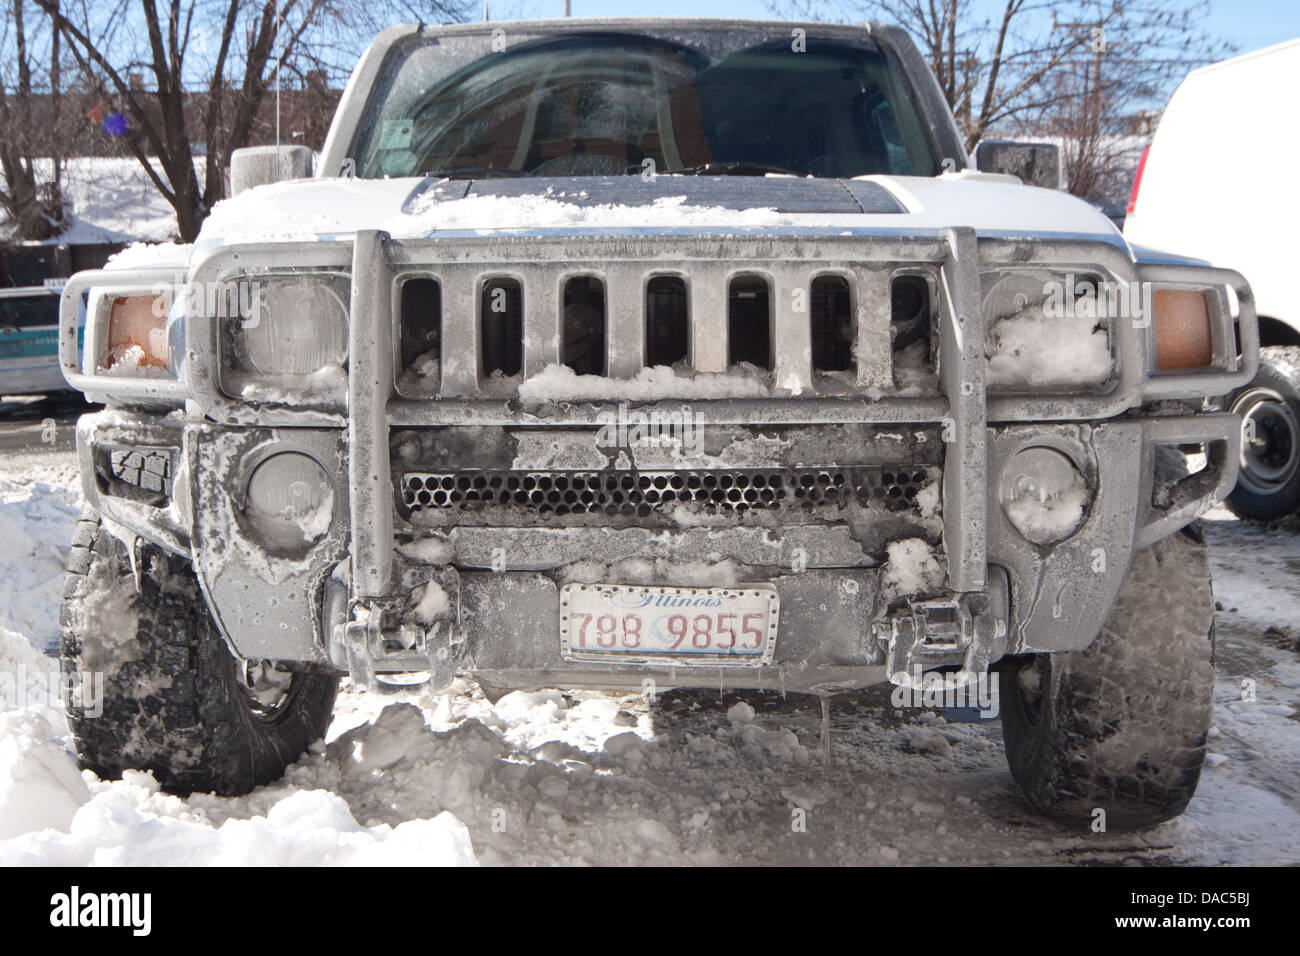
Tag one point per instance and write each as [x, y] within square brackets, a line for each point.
[290, 502]
[136, 336]
[1046, 330]
[286, 336]
[1044, 496]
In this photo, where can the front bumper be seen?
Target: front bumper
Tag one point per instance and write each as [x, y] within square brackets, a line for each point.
[835, 628]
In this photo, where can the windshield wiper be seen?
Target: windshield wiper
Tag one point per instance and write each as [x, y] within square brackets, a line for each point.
[741, 168]
[477, 172]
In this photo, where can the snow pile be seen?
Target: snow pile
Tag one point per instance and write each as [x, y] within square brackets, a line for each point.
[780, 744]
[912, 568]
[928, 740]
[326, 384]
[422, 376]
[113, 200]
[1030, 349]
[429, 213]
[665, 571]
[37, 519]
[40, 785]
[559, 383]
[1044, 520]
[298, 211]
[130, 823]
[699, 777]
[914, 373]
[431, 603]
[133, 362]
[430, 550]
[151, 255]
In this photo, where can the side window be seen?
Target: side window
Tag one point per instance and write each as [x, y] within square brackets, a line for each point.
[27, 313]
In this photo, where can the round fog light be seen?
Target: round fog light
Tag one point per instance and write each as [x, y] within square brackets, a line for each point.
[290, 501]
[1044, 495]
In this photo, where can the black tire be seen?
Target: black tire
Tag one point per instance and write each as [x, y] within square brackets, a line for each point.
[1269, 484]
[1122, 725]
[175, 701]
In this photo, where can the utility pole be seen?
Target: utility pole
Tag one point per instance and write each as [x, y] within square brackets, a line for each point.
[1092, 84]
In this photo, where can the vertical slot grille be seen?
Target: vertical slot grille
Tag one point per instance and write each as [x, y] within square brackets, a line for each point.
[831, 316]
[749, 322]
[584, 334]
[667, 328]
[420, 311]
[910, 311]
[501, 319]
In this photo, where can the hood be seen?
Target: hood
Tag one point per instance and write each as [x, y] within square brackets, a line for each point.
[417, 208]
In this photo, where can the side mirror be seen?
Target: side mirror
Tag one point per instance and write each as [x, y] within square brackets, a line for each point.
[259, 165]
[1035, 164]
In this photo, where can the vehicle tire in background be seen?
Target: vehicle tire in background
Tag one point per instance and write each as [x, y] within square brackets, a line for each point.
[175, 700]
[1122, 724]
[1269, 484]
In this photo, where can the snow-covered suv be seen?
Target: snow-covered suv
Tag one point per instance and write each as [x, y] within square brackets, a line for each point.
[619, 354]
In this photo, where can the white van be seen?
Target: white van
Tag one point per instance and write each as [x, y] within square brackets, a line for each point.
[1218, 183]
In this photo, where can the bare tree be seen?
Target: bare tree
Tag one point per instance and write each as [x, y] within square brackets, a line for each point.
[1137, 54]
[31, 128]
[991, 69]
[194, 73]
[1077, 71]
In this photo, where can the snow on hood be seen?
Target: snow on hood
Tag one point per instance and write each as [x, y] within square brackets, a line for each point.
[417, 208]
[151, 255]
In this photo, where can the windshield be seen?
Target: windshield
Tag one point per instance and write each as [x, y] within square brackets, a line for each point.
[611, 104]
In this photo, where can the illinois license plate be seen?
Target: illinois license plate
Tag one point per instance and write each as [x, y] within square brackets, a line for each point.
[707, 627]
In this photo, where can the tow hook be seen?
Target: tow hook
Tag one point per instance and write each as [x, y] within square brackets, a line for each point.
[959, 629]
[373, 647]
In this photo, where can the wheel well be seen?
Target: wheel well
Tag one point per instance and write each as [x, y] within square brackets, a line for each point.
[1276, 332]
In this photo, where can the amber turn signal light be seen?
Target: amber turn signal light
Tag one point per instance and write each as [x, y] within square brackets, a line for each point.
[137, 332]
[1182, 325]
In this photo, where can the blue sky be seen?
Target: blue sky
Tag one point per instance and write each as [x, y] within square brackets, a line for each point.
[1248, 24]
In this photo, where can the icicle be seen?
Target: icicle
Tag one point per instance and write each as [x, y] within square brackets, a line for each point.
[826, 728]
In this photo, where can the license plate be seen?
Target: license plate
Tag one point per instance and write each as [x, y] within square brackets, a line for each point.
[706, 627]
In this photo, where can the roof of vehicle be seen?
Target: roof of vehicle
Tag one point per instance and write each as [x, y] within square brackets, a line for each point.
[1285, 46]
[604, 23]
[26, 291]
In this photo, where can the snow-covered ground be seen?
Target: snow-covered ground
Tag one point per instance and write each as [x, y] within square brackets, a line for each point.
[693, 777]
[112, 199]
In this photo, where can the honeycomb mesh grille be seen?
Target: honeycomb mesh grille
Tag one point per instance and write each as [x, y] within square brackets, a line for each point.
[614, 493]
